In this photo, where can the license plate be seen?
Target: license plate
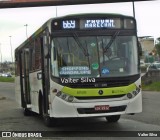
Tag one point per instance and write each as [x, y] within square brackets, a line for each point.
[101, 107]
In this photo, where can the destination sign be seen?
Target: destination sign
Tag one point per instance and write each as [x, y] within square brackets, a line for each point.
[93, 23]
[100, 23]
[69, 24]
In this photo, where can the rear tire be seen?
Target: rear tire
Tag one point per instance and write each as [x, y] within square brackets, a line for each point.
[113, 118]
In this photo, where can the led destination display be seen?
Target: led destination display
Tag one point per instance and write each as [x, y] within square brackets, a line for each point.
[91, 23]
[100, 23]
[94, 23]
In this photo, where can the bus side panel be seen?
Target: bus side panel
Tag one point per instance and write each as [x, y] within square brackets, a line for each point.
[18, 91]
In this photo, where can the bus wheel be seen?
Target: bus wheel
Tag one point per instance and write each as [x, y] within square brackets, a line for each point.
[27, 112]
[114, 118]
[47, 120]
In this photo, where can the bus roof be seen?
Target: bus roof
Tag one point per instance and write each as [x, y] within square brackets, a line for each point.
[69, 16]
[81, 15]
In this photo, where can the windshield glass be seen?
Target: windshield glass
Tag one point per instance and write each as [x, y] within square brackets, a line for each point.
[94, 56]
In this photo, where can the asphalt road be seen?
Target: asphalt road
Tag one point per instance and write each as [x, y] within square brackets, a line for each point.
[7, 90]
[12, 119]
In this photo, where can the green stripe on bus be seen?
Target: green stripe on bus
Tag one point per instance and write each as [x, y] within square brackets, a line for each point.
[79, 92]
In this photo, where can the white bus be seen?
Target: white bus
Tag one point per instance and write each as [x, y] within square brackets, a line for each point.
[84, 65]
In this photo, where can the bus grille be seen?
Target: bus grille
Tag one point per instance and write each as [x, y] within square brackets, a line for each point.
[99, 97]
[101, 84]
[93, 111]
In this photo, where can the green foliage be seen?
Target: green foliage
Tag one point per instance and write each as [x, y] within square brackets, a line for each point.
[155, 86]
[7, 79]
[158, 48]
[143, 69]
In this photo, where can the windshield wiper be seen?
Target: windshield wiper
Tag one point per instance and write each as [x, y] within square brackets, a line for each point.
[110, 42]
[76, 38]
[103, 52]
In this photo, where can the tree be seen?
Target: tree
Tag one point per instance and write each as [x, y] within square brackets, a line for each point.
[158, 48]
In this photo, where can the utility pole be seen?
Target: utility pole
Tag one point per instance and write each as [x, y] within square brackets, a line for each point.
[1, 55]
[11, 48]
[133, 8]
[56, 11]
[26, 30]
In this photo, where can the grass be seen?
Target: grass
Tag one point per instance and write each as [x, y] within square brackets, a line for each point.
[7, 79]
[154, 86]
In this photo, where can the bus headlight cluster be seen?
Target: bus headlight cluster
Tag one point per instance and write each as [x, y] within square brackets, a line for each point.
[133, 93]
[64, 96]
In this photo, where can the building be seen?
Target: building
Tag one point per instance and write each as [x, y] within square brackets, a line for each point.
[147, 43]
[148, 49]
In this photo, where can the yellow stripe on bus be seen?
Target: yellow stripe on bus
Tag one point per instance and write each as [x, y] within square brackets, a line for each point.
[95, 91]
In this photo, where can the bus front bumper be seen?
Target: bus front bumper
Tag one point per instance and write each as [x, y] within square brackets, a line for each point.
[62, 109]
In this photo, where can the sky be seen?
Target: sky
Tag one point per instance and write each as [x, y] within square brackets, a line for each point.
[13, 20]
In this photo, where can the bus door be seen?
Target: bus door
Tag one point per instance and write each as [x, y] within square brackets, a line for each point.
[45, 71]
[26, 83]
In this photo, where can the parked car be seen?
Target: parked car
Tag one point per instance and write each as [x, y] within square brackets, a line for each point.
[153, 67]
[6, 75]
[156, 61]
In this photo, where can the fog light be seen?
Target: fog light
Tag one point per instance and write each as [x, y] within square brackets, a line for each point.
[129, 95]
[134, 92]
[59, 93]
[70, 98]
[138, 90]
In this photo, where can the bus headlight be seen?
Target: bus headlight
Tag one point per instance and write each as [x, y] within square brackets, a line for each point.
[70, 99]
[129, 95]
[138, 89]
[65, 97]
[133, 93]
[59, 93]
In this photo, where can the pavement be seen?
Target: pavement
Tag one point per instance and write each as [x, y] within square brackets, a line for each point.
[2, 98]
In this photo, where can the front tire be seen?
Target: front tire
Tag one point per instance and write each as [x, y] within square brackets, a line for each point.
[27, 112]
[113, 118]
[48, 121]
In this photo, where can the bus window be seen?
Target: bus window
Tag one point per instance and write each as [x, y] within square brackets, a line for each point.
[38, 53]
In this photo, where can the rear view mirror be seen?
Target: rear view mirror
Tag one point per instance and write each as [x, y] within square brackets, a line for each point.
[139, 49]
[39, 75]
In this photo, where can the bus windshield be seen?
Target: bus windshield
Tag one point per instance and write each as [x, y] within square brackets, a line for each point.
[94, 56]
